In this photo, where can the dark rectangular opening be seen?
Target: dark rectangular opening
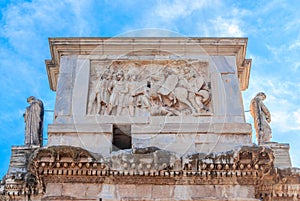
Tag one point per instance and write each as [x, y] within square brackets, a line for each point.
[121, 137]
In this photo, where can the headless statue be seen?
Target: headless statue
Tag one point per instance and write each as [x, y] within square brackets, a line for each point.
[262, 118]
[34, 117]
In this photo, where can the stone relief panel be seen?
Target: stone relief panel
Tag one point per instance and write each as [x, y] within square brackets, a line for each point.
[149, 88]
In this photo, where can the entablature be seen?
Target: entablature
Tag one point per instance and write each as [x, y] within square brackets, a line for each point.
[179, 46]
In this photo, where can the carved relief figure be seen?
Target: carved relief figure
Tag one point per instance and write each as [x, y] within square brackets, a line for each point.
[156, 82]
[156, 88]
[262, 118]
[92, 107]
[34, 117]
[99, 97]
[187, 89]
[142, 95]
[132, 87]
[166, 91]
[198, 91]
[158, 110]
[103, 94]
[118, 91]
[138, 94]
[184, 87]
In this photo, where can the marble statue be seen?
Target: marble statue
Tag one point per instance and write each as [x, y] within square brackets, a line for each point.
[262, 118]
[33, 117]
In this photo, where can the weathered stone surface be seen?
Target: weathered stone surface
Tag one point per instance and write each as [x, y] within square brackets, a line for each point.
[102, 143]
[54, 190]
[281, 153]
[80, 87]
[64, 86]
[220, 192]
[19, 180]
[186, 139]
[101, 47]
[242, 174]
[80, 68]
[151, 192]
[81, 128]
[156, 98]
[192, 128]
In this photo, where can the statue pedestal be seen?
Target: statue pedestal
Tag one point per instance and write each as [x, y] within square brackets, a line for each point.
[19, 159]
[15, 178]
[281, 153]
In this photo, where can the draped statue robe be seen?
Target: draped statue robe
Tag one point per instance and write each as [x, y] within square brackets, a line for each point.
[262, 118]
[34, 116]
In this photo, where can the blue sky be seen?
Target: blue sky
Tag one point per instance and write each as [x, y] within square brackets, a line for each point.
[273, 29]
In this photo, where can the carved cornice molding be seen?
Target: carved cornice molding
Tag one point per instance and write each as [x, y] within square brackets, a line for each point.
[130, 46]
[74, 164]
[250, 165]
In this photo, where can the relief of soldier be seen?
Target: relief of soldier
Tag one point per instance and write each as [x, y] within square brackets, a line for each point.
[138, 89]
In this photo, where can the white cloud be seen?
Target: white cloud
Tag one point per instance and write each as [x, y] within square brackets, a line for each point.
[286, 54]
[149, 32]
[191, 17]
[275, 50]
[286, 121]
[295, 45]
[293, 24]
[226, 27]
[81, 12]
[28, 23]
[296, 65]
[170, 10]
[296, 118]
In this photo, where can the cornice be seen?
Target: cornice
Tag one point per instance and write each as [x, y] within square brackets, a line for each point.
[123, 45]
